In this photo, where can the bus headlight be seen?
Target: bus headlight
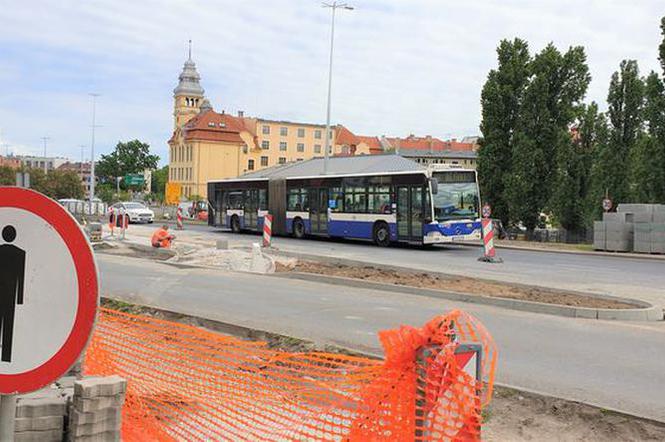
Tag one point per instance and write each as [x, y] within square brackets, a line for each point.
[469, 226]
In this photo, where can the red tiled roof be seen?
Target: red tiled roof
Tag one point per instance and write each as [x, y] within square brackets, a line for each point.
[345, 136]
[373, 143]
[212, 126]
[429, 143]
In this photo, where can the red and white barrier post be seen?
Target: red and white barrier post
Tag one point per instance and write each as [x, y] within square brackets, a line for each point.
[489, 253]
[178, 219]
[267, 230]
[112, 217]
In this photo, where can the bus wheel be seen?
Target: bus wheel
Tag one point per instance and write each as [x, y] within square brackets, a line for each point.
[298, 228]
[382, 235]
[235, 224]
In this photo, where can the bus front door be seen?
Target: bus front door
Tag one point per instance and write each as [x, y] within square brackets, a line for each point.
[318, 210]
[251, 208]
[409, 213]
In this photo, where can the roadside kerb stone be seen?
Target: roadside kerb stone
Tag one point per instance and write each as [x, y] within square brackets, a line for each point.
[645, 312]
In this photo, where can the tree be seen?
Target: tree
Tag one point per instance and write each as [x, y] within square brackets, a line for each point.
[501, 99]
[159, 179]
[57, 184]
[7, 176]
[542, 148]
[624, 99]
[661, 48]
[648, 156]
[130, 157]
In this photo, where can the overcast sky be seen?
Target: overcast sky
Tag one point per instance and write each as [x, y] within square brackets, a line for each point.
[401, 66]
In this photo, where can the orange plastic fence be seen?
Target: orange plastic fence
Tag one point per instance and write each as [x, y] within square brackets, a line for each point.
[187, 383]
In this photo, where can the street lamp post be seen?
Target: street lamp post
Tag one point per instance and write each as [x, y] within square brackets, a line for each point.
[45, 139]
[333, 7]
[92, 149]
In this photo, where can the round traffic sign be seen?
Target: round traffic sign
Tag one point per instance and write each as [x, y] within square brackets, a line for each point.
[48, 290]
[607, 204]
[487, 211]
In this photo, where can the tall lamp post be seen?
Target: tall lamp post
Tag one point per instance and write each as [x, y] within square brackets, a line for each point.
[333, 7]
[92, 148]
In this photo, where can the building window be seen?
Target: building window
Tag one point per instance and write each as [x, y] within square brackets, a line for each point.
[266, 130]
[282, 145]
[282, 160]
[301, 147]
[317, 134]
[300, 159]
[250, 164]
[317, 148]
[301, 132]
[283, 131]
[265, 144]
[264, 161]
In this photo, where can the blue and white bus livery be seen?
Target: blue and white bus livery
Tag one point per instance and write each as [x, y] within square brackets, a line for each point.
[384, 198]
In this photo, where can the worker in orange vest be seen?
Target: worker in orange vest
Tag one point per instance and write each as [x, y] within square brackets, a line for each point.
[162, 238]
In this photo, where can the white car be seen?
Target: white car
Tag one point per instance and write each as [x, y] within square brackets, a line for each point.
[138, 213]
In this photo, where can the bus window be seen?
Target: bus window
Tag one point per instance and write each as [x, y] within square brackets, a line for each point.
[298, 200]
[235, 199]
[379, 199]
[336, 199]
[355, 199]
[263, 199]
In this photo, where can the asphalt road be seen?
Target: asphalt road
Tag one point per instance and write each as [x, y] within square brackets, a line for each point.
[613, 364]
[627, 277]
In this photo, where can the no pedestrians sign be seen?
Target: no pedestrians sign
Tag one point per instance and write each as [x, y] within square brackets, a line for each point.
[48, 290]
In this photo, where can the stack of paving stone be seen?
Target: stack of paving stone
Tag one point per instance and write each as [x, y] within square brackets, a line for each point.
[95, 413]
[41, 415]
[649, 226]
[614, 233]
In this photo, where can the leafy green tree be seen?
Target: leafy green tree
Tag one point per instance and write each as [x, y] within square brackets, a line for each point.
[159, 179]
[542, 145]
[625, 103]
[130, 157]
[57, 184]
[648, 155]
[661, 48]
[7, 176]
[501, 99]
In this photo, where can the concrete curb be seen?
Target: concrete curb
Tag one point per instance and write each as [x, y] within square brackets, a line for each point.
[623, 255]
[646, 312]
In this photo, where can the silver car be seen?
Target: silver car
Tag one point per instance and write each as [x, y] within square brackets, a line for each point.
[138, 213]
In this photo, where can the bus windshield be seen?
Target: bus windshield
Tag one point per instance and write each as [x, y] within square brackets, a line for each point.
[457, 196]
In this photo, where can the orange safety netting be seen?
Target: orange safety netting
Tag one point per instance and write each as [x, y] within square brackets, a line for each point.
[188, 383]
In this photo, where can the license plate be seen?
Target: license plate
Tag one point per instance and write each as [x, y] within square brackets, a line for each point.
[458, 237]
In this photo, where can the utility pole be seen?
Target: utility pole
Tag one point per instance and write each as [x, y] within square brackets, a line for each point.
[45, 139]
[333, 7]
[92, 148]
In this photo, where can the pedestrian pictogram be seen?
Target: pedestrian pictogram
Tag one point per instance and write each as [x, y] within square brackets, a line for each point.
[48, 290]
[487, 211]
[607, 204]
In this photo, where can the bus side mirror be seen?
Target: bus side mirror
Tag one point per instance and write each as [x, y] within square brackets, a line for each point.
[434, 183]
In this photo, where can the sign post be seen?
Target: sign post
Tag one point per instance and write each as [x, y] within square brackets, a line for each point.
[489, 253]
[48, 295]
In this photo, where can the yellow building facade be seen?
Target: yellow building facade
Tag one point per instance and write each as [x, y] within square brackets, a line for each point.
[208, 145]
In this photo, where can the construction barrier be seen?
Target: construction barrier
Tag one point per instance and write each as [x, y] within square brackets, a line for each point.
[178, 218]
[267, 230]
[489, 253]
[187, 383]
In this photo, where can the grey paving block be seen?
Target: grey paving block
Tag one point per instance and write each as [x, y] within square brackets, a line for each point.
[40, 423]
[39, 436]
[617, 217]
[635, 208]
[109, 436]
[100, 386]
[95, 428]
[642, 217]
[77, 417]
[658, 217]
[95, 404]
[599, 244]
[41, 407]
[66, 382]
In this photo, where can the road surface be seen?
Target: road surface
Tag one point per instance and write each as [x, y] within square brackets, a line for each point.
[613, 364]
[626, 277]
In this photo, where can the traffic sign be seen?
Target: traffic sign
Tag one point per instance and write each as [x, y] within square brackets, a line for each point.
[48, 290]
[487, 211]
[134, 179]
[607, 204]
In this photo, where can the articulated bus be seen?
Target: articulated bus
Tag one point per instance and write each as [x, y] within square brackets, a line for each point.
[387, 201]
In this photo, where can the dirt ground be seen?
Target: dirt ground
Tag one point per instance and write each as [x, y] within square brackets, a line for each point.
[512, 415]
[454, 284]
[518, 416]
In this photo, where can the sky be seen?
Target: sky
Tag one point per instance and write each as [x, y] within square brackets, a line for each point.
[400, 66]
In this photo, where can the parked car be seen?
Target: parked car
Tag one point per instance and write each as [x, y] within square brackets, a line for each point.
[138, 213]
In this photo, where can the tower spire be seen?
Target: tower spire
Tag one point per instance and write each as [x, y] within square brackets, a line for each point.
[190, 49]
